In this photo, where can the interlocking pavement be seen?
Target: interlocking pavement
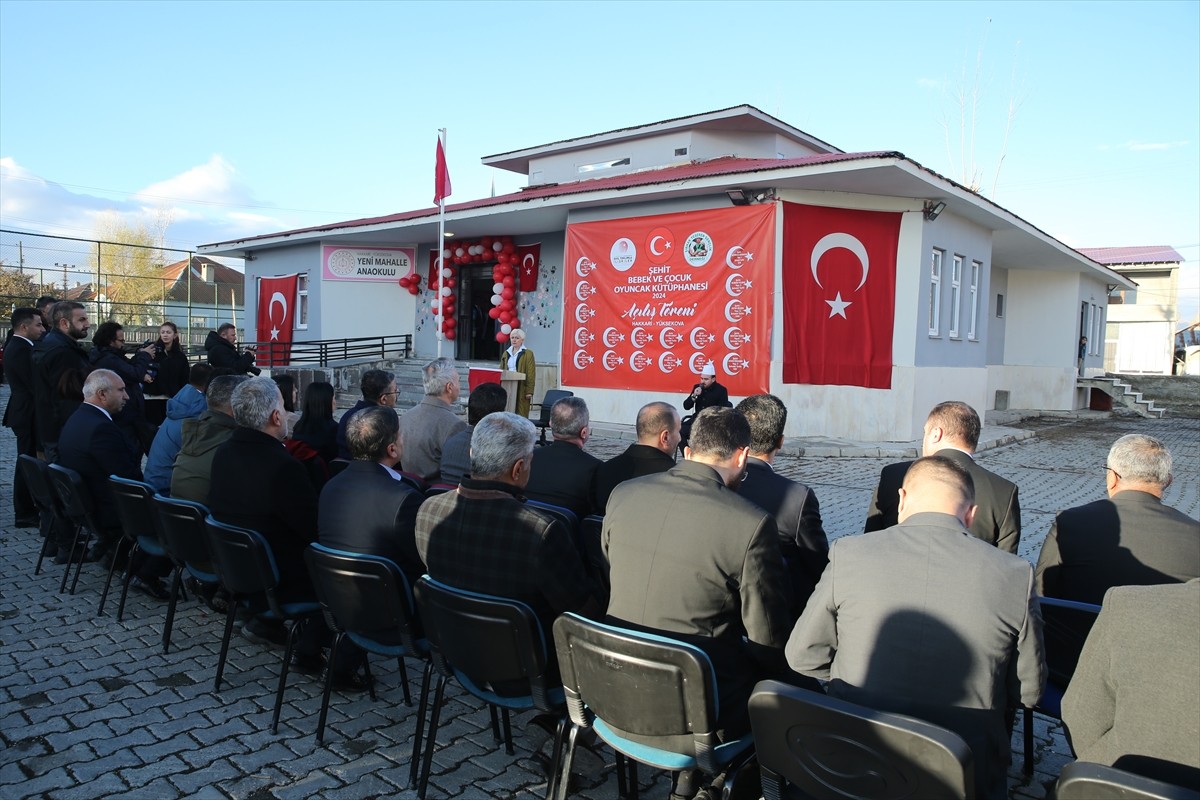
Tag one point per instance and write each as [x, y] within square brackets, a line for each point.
[92, 708]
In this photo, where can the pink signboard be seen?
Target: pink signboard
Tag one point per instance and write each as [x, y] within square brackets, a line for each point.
[388, 264]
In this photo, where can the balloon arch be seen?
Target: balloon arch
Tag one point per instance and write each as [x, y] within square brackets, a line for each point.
[444, 278]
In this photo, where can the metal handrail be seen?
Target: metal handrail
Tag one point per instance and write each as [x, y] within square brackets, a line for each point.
[320, 352]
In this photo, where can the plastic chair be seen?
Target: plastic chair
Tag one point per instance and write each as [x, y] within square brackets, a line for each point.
[414, 480]
[368, 600]
[1065, 627]
[139, 524]
[34, 471]
[75, 505]
[590, 529]
[483, 641]
[247, 568]
[440, 488]
[651, 698]
[551, 397]
[823, 747]
[185, 541]
[564, 515]
[1083, 781]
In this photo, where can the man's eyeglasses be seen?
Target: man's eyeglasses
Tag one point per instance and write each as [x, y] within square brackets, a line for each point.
[1113, 471]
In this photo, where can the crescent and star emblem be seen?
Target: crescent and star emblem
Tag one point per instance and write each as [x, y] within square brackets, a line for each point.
[527, 263]
[654, 245]
[842, 241]
[282, 301]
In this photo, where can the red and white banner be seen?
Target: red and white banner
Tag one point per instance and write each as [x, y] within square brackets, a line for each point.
[276, 318]
[839, 295]
[648, 301]
[529, 257]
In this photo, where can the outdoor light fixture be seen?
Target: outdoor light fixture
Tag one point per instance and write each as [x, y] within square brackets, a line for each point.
[448, 234]
[932, 209]
[738, 197]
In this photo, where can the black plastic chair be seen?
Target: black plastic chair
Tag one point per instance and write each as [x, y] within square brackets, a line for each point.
[440, 488]
[1083, 781]
[75, 505]
[413, 480]
[821, 747]
[1065, 627]
[483, 641]
[185, 541]
[139, 524]
[247, 568]
[551, 397]
[368, 600]
[590, 528]
[37, 480]
[650, 698]
[564, 515]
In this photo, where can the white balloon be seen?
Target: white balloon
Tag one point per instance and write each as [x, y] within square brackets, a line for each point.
[496, 299]
[458, 251]
[506, 328]
[476, 249]
[445, 291]
[439, 334]
[497, 288]
[446, 273]
[433, 303]
[446, 253]
[497, 246]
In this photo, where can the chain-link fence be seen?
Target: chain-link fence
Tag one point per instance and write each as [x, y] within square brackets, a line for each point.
[139, 286]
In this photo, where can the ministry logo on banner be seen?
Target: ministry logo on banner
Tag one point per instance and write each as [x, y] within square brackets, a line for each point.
[839, 295]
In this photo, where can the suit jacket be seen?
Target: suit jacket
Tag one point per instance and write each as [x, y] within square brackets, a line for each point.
[53, 356]
[636, 461]
[424, 428]
[689, 558]
[997, 518]
[256, 484]
[18, 371]
[1133, 693]
[363, 509]
[923, 619]
[456, 457]
[1131, 538]
[797, 514]
[92, 445]
[562, 474]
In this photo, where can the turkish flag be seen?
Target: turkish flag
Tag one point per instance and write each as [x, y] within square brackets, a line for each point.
[276, 318]
[441, 175]
[839, 295]
[435, 266]
[529, 256]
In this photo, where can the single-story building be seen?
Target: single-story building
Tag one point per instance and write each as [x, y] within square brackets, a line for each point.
[861, 288]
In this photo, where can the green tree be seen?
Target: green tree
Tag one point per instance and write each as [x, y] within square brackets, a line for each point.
[19, 289]
[131, 261]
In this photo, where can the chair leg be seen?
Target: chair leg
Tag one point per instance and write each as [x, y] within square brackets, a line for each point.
[495, 724]
[1027, 767]
[112, 567]
[622, 778]
[337, 640]
[62, 587]
[366, 674]
[420, 731]
[125, 580]
[556, 774]
[283, 672]
[229, 617]
[427, 756]
[403, 664]
[169, 623]
[634, 788]
[508, 745]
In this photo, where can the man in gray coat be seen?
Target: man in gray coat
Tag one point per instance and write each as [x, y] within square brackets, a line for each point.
[926, 620]
[425, 427]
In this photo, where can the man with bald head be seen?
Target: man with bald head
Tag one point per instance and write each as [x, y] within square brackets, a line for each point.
[654, 451]
[924, 619]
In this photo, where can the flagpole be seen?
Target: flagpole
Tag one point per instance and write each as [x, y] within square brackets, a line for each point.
[440, 247]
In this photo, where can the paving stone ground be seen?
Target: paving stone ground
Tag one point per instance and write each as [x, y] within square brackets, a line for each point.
[92, 708]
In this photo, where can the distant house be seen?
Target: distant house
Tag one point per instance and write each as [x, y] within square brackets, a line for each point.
[202, 297]
[1141, 326]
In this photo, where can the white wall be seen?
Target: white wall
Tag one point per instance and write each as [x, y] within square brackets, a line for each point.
[1043, 318]
[1047, 388]
[952, 236]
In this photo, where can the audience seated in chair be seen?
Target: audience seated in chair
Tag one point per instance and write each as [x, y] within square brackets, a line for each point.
[188, 403]
[200, 439]
[427, 425]
[562, 474]
[486, 398]
[653, 452]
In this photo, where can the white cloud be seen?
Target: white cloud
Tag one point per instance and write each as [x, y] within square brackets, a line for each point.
[929, 83]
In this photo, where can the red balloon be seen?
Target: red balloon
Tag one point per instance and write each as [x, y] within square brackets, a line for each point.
[448, 334]
[494, 312]
[507, 293]
[414, 278]
[486, 242]
[412, 289]
[451, 322]
[506, 317]
[516, 323]
[404, 282]
[501, 337]
[508, 280]
[509, 248]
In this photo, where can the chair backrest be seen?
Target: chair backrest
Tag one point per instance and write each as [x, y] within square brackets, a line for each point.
[654, 690]
[590, 528]
[1083, 781]
[414, 480]
[564, 515]
[827, 748]
[34, 470]
[132, 500]
[363, 594]
[181, 529]
[1065, 627]
[440, 488]
[74, 499]
[486, 639]
[243, 559]
[552, 396]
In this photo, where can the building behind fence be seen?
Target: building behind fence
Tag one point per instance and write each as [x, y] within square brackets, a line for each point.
[140, 287]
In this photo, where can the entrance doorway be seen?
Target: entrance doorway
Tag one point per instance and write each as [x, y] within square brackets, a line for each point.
[476, 330]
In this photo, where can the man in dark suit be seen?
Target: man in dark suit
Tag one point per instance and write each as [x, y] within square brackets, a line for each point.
[366, 508]
[378, 389]
[55, 355]
[923, 619]
[562, 473]
[654, 451]
[794, 506]
[1130, 538]
[19, 415]
[690, 559]
[952, 430]
[486, 398]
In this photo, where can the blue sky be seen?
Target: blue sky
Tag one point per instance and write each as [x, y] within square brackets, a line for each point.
[245, 118]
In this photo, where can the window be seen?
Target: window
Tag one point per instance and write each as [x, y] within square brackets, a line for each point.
[973, 322]
[302, 301]
[999, 306]
[1097, 326]
[603, 165]
[956, 270]
[681, 151]
[935, 293]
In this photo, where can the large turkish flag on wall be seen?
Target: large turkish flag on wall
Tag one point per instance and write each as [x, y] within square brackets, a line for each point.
[276, 318]
[839, 295]
[648, 301]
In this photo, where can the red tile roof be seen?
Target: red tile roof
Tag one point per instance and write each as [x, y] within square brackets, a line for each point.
[204, 293]
[1150, 254]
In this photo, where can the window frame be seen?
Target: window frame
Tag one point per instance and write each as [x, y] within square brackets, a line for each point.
[935, 292]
